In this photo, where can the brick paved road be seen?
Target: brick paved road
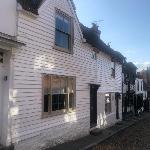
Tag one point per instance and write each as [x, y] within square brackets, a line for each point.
[136, 137]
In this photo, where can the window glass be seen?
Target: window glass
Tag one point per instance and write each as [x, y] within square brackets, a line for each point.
[141, 86]
[1, 57]
[59, 41]
[46, 96]
[59, 22]
[113, 69]
[63, 85]
[63, 31]
[66, 27]
[55, 85]
[58, 93]
[137, 85]
[71, 100]
[66, 41]
[71, 85]
[107, 103]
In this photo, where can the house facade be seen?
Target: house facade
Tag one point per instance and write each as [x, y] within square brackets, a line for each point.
[109, 78]
[129, 89]
[56, 84]
[140, 87]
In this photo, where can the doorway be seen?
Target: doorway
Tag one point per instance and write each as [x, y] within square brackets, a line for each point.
[1, 88]
[93, 105]
[117, 97]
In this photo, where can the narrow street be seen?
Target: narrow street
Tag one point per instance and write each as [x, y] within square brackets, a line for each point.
[137, 137]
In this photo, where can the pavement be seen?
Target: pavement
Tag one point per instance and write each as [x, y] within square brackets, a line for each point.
[93, 141]
[136, 137]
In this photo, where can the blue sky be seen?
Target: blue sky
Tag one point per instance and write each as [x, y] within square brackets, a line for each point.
[126, 25]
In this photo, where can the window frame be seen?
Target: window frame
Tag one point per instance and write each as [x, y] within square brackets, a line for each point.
[113, 70]
[110, 96]
[1, 57]
[51, 113]
[71, 39]
[138, 86]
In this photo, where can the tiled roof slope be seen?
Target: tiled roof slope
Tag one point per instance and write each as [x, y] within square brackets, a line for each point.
[93, 39]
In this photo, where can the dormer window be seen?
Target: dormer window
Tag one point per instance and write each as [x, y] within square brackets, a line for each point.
[63, 32]
[113, 69]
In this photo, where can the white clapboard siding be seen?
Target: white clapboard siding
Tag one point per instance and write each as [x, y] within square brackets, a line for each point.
[108, 84]
[38, 56]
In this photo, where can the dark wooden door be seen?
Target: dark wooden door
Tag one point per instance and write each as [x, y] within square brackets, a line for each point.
[93, 105]
[117, 96]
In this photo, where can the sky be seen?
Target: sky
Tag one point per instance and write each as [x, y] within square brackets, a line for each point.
[124, 23]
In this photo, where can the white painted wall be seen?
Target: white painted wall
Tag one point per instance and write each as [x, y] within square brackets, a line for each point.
[37, 57]
[139, 87]
[108, 85]
[4, 97]
[27, 129]
[8, 17]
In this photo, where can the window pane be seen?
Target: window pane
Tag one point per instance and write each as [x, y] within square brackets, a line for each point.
[113, 65]
[71, 85]
[46, 89]
[66, 26]
[63, 85]
[62, 39]
[62, 101]
[59, 102]
[1, 57]
[55, 85]
[46, 103]
[66, 41]
[55, 102]
[59, 22]
[59, 38]
[71, 100]
[107, 103]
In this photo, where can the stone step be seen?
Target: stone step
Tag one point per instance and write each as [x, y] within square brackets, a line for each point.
[6, 148]
[96, 132]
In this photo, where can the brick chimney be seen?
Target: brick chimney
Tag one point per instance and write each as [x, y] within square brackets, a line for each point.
[96, 30]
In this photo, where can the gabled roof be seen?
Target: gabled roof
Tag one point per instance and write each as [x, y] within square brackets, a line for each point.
[30, 5]
[93, 39]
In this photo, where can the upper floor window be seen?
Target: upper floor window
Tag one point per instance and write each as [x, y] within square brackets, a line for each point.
[141, 86]
[138, 86]
[1, 57]
[113, 69]
[94, 55]
[63, 31]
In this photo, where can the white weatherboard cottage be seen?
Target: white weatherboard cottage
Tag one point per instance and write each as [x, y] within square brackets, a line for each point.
[139, 86]
[49, 77]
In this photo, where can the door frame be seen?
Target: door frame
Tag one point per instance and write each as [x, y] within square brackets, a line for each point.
[117, 97]
[93, 104]
[1, 96]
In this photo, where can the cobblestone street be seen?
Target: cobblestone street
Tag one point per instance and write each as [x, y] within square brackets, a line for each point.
[136, 137]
